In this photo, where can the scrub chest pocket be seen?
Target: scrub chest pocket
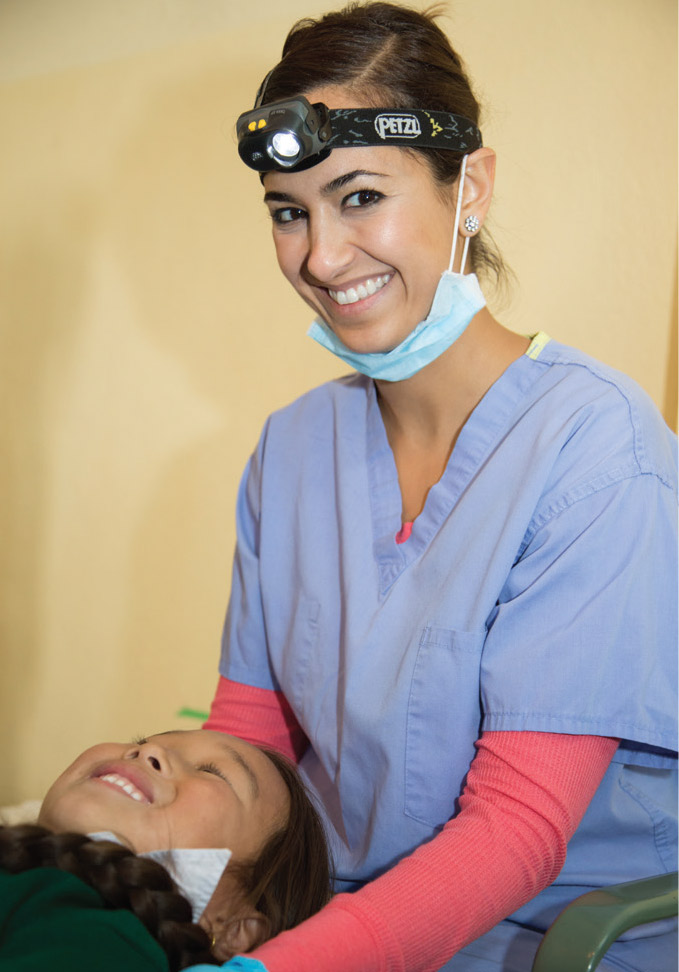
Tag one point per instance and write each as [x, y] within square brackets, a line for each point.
[443, 710]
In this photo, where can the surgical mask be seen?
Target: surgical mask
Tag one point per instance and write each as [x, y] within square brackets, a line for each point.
[196, 871]
[457, 300]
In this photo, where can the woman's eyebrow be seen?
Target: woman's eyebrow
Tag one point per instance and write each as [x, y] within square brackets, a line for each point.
[278, 197]
[348, 177]
[327, 190]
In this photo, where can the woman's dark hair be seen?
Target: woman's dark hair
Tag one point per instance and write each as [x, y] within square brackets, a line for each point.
[289, 881]
[393, 57]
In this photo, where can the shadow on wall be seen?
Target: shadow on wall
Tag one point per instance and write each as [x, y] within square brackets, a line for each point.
[43, 290]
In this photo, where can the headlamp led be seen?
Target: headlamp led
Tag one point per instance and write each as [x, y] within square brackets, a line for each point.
[283, 135]
[292, 135]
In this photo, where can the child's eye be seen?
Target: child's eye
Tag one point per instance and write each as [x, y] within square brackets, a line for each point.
[287, 215]
[364, 197]
[212, 768]
[139, 740]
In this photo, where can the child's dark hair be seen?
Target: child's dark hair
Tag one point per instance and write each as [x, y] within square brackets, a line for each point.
[289, 881]
[291, 878]
[391, 56]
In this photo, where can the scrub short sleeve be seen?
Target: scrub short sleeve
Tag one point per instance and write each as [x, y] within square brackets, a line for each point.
[244, 655]
[583, 639]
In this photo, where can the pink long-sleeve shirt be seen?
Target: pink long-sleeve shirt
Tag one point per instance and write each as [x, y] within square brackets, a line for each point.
[525, 794]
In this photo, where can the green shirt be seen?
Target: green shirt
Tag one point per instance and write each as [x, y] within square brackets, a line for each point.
[51, 921]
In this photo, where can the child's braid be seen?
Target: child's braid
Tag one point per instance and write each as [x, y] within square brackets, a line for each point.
[121, 878]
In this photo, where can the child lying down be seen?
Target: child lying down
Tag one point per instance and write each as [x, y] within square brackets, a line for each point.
[127, 865]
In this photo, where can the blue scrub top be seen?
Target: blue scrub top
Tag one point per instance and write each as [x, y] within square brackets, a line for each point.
[536, 592]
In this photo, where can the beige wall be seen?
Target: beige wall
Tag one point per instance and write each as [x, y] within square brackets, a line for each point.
[146, 334]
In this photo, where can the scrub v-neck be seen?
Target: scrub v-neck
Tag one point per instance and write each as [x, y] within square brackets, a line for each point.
[478, 436]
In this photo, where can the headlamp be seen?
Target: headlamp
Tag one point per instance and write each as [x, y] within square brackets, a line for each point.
[283, 135]
[293, 135]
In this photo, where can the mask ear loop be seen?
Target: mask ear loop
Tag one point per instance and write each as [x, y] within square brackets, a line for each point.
[458, 211]
[464, 252]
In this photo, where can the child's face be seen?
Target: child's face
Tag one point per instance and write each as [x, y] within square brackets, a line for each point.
[177, 789]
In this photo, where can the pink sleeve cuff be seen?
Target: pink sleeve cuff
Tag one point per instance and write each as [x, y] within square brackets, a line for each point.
[260, 716]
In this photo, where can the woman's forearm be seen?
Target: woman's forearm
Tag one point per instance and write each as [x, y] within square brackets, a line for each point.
[526, 793]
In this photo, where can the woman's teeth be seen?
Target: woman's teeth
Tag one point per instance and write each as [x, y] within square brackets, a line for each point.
[125, 785]
[350, 296]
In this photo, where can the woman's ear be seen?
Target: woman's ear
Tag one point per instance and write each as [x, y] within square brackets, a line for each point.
[238, 934]
[478, 187]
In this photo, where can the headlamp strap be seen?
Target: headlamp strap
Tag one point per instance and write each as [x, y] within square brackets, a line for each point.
[261, 90]
[416, 128]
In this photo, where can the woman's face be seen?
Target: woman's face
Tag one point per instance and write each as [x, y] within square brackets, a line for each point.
[177, 789]
[363, 237]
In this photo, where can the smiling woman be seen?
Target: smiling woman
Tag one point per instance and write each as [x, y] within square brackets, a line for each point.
[338, 229]
[193, 801]
[472, 647]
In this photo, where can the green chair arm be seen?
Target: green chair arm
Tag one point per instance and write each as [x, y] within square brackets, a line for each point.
[579, 938]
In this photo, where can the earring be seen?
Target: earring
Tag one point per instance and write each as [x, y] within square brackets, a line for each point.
[471, 224]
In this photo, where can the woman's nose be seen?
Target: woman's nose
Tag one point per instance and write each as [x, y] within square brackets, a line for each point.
[330, 250]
